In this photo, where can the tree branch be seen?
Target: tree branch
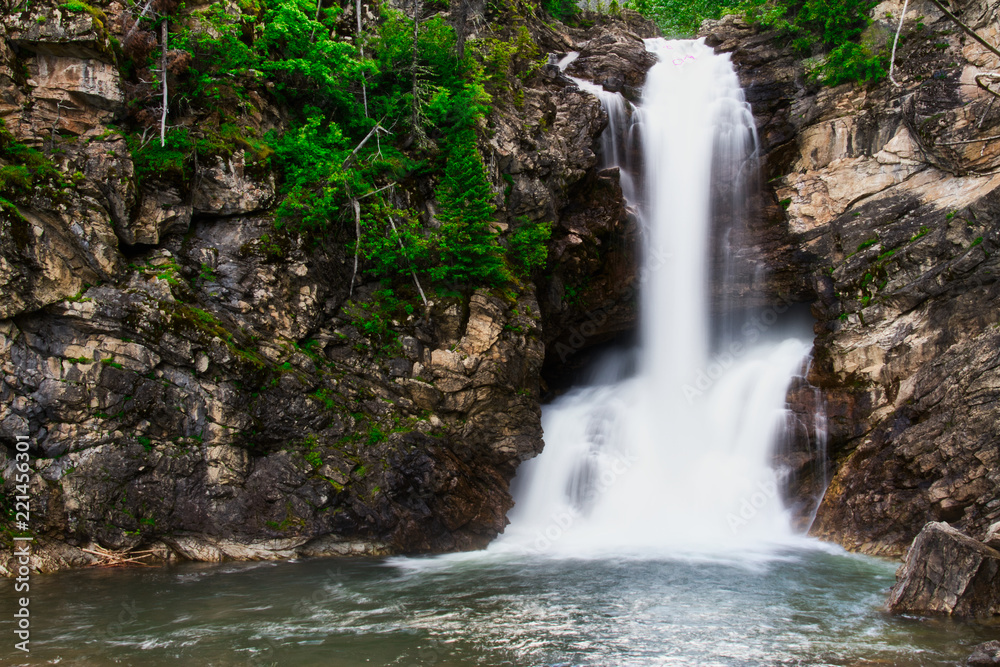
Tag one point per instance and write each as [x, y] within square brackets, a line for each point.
[985, 86]
[163, 76]
[969, 31]
[892, 59]
[350, 158]
[357, 245]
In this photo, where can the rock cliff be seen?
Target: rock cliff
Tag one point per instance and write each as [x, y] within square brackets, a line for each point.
[196, 382]
[881, 210]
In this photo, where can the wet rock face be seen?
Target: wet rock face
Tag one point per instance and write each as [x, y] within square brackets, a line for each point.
[198, 383]
[589, 296]
[986, 654]
[882, 211]
[947, 572]
[59, 239]
[616, 60]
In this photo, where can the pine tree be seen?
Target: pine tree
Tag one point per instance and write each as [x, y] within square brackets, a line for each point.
[467, 244]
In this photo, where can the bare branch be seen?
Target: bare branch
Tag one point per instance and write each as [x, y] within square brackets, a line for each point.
[357, 245]
[995, 80]
[969, 31]
[136, 24]
[892, 59]
[350, 158]
[423, 297]
[375, 192]
[361, 50]
[163, 76]
[967, 141]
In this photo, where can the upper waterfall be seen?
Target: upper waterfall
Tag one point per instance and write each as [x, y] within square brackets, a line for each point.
[676, 456]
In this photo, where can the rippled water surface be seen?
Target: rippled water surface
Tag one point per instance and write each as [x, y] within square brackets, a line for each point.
[799, 607]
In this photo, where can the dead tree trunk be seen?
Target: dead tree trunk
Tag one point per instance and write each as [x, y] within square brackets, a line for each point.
[361, 50]
[163, 77]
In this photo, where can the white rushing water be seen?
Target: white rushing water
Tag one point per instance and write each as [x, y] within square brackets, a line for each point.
[669, 449]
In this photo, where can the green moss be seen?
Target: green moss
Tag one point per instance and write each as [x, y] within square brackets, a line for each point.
[375, 436]
[110, 361]
[25, 170]
[289, 522]
[314, 459]
[324, 396]
[867, 244]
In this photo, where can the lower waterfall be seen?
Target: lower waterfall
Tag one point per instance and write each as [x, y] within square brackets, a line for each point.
[670, 445]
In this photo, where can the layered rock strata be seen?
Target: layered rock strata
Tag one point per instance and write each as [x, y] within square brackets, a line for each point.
[197, 383]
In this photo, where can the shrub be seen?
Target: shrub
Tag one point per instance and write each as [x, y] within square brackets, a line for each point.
[852, 62]
[529, 248]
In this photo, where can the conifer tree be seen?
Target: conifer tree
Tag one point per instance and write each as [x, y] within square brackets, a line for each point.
[467, 245]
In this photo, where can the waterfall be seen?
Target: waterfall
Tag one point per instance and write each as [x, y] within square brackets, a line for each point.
[669, 446]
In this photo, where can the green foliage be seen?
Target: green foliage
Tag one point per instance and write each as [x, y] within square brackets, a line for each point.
[169, 161]
[503, 60]
[303, 56]
[835, 22]
[466, 249]
[528, 245]
[312, 157]
[809, 26]
[227, 138]
[24, 169]
[373, 320]
[425, 99]
[393, 242]
[439, 72]
[563, 10]
[852, 62]
[682, 18]
[223, 64]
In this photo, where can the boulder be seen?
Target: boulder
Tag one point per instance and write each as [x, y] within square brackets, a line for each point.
[986, 654]
[992, 538]
[948, 572]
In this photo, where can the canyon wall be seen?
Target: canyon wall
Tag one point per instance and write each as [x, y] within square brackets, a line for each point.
[881, 211]
[197, 382]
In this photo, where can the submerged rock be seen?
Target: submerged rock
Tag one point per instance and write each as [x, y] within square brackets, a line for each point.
[948, 572]
[986, 654]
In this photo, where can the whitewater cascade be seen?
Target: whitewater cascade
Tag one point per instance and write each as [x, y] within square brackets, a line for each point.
[670, 446]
